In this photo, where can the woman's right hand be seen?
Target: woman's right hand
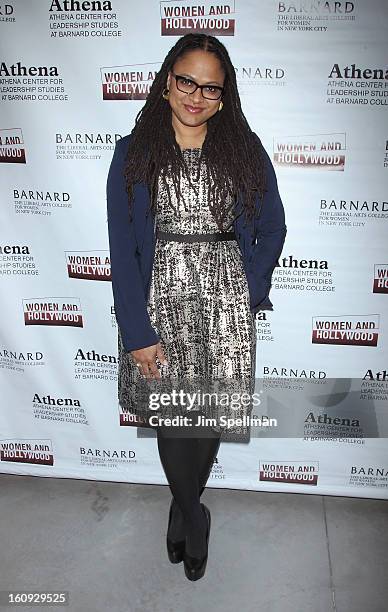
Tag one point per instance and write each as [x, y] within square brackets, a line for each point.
[146, 358]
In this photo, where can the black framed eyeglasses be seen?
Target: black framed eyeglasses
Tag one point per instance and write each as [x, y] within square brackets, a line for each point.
[186, 85]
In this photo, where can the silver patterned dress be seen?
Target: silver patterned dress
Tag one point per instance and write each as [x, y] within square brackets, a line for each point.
[199, 305]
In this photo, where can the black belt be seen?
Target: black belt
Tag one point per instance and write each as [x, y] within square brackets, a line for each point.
[195, 237]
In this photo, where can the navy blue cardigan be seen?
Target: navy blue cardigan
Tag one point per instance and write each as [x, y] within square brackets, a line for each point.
[132, 247]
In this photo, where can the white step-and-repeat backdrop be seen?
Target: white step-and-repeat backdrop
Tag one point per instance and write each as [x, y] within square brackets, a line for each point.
[313, 80]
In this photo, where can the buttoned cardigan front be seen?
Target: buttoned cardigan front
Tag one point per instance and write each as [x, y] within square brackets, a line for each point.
[132, 242]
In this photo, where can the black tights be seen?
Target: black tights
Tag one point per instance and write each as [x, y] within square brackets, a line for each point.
[187, 463]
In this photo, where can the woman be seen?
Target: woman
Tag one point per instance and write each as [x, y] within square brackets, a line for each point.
[196, 226]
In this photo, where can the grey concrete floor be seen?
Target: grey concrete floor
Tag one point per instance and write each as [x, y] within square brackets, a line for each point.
[104, 542]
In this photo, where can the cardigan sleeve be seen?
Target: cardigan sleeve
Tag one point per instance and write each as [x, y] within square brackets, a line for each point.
[127, 284]
[270, 234]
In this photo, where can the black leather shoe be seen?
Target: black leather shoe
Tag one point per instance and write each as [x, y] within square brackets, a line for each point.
[175, 549]
[195, 568]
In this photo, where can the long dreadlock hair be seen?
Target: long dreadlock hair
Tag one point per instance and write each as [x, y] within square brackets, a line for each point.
[232, 151]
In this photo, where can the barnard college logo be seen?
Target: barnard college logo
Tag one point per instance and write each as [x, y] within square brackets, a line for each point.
[281, 372]
[27, 357]
[87, 138]
[5, 11]
[320, 7]
[369, 471]
[107, 453]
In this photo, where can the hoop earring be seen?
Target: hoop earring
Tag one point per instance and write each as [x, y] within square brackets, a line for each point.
[220, 105]
[166, 93]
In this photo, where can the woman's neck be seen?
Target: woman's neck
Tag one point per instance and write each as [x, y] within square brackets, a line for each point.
[190, 144]
[190, 140]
